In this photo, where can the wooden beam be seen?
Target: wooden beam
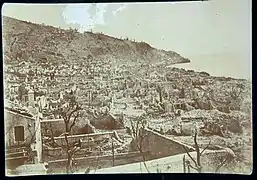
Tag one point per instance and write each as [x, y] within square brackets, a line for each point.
[14, 149]
[16, 158]
[50, 120]
[84, 135]
[120, 155]
[16, 153]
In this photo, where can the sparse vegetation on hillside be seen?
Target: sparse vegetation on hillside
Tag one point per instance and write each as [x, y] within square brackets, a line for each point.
[32, 39]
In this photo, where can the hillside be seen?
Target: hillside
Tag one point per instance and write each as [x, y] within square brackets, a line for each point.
[25, 41]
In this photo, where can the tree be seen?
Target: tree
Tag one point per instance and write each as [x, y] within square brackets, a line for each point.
[21, 91]
[223, 161]
[159, 90]
[197, 162]
[31, 73]
[182, 93]
[70, 110]
[138, 136]
[236, 91]
[232, 92]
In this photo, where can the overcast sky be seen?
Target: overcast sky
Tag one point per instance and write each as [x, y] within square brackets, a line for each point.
[193, 29]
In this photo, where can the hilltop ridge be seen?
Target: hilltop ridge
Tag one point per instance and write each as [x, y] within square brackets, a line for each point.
[26, 41]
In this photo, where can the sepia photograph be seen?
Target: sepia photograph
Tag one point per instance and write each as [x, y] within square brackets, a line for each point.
[114, 88]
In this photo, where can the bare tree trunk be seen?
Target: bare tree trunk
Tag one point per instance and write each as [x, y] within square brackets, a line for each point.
[198, 154]
[138, 139]
[221, 164]
[197, 163]
[188, 168]
[112, 153]
[67, 127]
[184, 164]
[69, 163]
[69, 155]
[142, 153]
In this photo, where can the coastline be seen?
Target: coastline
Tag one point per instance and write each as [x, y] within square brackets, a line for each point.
[214, 72]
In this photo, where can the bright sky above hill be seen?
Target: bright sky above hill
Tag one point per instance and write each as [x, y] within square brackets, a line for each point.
[196, 30]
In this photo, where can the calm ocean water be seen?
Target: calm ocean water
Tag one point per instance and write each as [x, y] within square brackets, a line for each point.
[218, 65]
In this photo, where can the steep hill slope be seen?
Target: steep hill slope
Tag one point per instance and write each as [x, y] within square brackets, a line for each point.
[25, 41]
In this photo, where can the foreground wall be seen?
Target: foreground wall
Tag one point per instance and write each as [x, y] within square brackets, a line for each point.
[159, 145]
[95, 162]
[171, 164]
[90, 144]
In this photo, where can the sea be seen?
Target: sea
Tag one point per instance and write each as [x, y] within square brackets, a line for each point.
[216, 65]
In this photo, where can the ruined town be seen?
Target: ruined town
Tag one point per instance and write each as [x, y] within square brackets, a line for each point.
[90, 103]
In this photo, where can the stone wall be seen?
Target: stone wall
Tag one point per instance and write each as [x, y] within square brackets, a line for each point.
[159, 145]
[57, 127]
[84, 137]
[170, 164]
[95, 162]
[92, 141]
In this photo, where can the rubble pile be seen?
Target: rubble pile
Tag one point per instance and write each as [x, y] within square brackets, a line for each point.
[118, 146]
